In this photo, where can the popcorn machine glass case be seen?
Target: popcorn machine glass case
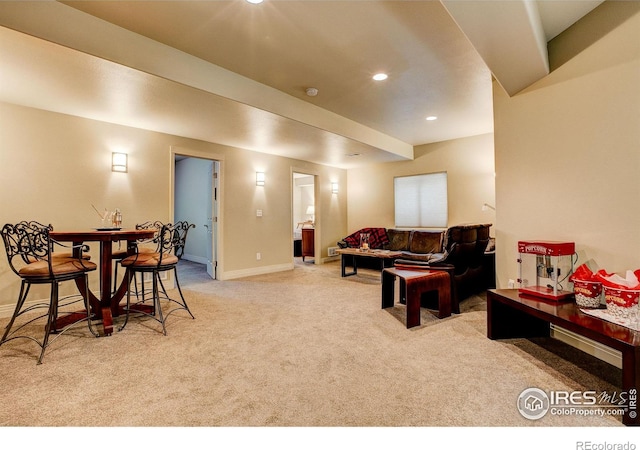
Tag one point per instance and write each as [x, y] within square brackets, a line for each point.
[545, 267]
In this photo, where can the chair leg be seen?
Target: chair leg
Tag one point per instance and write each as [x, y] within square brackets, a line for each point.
[87, 305]
[115, 277]
[156, 310]
[127, 275]
[184, 302]
[16, 312]
[156, 300]
[53, 312]
[142, 288]
[135, 284]
[51, 315]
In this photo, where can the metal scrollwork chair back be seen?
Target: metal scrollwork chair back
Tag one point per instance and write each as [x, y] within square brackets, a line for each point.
[31, 256]
[120, 254]
[155, 225]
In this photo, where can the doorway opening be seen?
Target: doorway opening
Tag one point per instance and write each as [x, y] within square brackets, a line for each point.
[304, 218]
[195, 200]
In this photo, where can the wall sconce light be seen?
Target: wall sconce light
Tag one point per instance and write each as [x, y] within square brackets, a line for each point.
[334, 188]
[487, 206]
[259, 178]
[119, 162]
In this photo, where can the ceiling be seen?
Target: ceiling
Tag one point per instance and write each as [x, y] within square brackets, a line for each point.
[237, 73]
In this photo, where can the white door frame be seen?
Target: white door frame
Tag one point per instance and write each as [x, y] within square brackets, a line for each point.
[318, 211]
[217, 238]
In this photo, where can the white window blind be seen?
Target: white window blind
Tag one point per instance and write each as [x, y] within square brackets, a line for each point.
[421, 201]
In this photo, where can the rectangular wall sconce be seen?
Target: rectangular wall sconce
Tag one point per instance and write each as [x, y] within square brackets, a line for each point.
[259, 178]
[119, 162]
[334, 188]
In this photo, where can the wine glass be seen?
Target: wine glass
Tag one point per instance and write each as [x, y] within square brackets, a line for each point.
[105, 218]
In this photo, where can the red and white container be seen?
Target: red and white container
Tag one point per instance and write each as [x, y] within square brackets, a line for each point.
[588, 293]
[621, 303]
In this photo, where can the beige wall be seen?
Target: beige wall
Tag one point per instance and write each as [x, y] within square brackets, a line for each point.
[566, 159]
[568, 150]
[54, 167]
[470, 183]
[271, 234]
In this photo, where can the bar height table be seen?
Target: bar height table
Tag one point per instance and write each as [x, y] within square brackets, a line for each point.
[106, 305]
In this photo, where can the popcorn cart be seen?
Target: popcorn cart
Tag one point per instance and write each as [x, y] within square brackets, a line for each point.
[544, 269]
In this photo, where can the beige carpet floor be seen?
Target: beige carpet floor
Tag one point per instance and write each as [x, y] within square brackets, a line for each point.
[302, 348]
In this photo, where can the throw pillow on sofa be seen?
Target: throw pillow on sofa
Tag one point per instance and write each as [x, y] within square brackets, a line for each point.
[426, 242]
[377, 238]
[398, 240]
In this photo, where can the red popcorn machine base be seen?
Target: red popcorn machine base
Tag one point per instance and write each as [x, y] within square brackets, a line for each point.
[545, 268]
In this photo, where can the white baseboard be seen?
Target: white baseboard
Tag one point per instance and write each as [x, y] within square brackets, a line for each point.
[7, 310]
[230, 275]
[330, 259]
[596, 349]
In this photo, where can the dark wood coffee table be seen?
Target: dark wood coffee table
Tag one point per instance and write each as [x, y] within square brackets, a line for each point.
[385, 257]
[511, 315]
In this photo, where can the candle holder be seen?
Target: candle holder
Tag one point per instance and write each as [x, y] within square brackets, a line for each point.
[364, 242]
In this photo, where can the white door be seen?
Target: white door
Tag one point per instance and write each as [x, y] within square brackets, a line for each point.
[212, 221]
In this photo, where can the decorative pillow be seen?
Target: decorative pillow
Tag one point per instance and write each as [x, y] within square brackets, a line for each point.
[398, 240]
[377, 238]
[426, 242]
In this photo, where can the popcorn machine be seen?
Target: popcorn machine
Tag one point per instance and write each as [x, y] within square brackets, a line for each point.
[543, 268]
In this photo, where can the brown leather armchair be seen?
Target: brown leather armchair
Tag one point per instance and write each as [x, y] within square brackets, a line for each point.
[464, 257]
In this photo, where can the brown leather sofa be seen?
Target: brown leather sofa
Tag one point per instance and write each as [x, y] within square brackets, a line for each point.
[464, 250]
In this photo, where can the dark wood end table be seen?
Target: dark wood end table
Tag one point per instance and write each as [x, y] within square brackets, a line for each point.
[412, 284]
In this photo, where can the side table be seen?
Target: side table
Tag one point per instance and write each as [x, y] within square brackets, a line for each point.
[308, 242]
[511, 315]
[413, 283]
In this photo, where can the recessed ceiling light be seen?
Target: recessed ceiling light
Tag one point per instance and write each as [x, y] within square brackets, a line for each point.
[311, 92]
[255, 2]
[432, 118]
[380, 76]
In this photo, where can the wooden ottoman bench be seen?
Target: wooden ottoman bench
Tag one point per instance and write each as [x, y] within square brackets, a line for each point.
[413, 283]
